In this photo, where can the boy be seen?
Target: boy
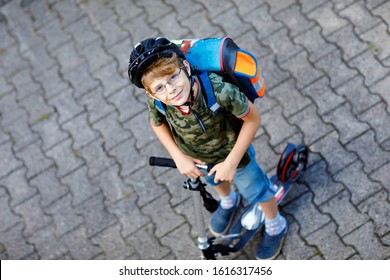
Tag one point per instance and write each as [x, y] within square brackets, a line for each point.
[192, 133]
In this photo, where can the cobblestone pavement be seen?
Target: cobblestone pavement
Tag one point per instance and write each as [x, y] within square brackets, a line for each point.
[75, 140]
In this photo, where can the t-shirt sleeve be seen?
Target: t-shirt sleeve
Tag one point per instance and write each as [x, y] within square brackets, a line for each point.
[229, 96]
[156, 117]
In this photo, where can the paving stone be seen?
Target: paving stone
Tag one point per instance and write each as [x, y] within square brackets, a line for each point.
[324, 97]
[296, 22]
[381, 9]
[357, 182]
[216, 8]
[11, 61]
[96, 105]
[321, 183]
[327, 19]
[126, 11]
[80, 246]
[81, 131]
[126, 104]
[302, 70]
[204, 28]
[230, 26]
[98, 11]
[95, 56]
[347, 40]
[66, 106]
[80, 185]
[64, 216]
[336, 156]
[49, 187]
[335, 69]
[309, 5]
[128, 157]
[54, 35]
[345, 122]
[15, 243]
[272, 72]
[40, 13]
[184, 247]
[24, 84]
[96, 158]
[314, 43]
[146, 244]
[265, 156]
[382, 175]
[290, 98]
[358, 95]
[83, 31]
[295, 248]
[307, 214]
[173, 181]
[50, 132]
[129, 215]
[367, 243]
[9, 218]
[166, 219]
[313, 128]
[69, 11]
[378, 43]
[66, 158]
[141, 129]
[36, 107]
[113, 245]
[25, 34]
[67, 57]
[329, 244]
[112, 82]
[112, 186]
[168, 24]
[52, 84]
[8, 162]
[185, 8]
[48, 246]
[369, 151]
[146, 189]
[277, 7]
[250, 43]
[351, 218]
[33, 216]
[18, 187]
[95, 215]
[138, 34]
[276, 126]
[371, 68]
[361, 18]
[382, 88]
[259, 17]
[378, 118]
[377, 208]
[20, 133]
[282, 46]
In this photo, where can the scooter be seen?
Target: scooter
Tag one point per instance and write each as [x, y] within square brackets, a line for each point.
[292, 163]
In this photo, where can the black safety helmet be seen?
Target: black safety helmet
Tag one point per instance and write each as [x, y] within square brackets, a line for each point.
[145, 53]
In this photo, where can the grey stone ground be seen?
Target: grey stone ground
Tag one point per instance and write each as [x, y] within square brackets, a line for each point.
[74, 136]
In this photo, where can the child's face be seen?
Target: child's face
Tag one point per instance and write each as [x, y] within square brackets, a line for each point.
[171, 89]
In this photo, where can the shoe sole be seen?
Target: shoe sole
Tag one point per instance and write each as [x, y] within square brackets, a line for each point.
[218, 234]
[279, 249]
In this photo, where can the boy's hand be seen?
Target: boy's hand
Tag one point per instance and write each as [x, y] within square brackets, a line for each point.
[186, 166]
[224, 171]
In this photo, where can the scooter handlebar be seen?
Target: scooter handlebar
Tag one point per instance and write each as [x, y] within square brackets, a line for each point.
[168, 162]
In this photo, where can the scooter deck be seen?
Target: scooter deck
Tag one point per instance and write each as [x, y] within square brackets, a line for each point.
[238, 236]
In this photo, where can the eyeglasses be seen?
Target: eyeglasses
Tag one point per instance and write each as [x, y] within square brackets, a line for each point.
[173, 80]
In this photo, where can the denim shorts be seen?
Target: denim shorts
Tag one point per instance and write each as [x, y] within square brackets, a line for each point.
[251, 181]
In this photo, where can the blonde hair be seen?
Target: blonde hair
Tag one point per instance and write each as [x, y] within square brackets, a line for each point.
[163, 66]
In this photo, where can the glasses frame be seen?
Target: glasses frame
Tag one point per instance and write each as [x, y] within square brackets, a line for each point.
[155, 94]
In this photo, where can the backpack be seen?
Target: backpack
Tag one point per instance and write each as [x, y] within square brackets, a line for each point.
[223, 57]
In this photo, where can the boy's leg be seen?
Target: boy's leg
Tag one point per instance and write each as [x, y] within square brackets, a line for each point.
[222, 218]
[275, 231]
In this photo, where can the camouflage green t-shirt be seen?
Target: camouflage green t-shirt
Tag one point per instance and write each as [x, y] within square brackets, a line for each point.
[214, 145]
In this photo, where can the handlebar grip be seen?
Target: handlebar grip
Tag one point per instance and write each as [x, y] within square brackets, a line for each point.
[164, 162]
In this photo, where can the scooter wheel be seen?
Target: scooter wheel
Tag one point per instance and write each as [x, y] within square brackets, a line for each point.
[292, 162]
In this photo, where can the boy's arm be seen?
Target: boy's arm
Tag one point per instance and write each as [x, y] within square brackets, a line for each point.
[185, 164]
[226, 170]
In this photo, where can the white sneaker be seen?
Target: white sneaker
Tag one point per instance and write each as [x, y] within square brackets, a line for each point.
[253, 217]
